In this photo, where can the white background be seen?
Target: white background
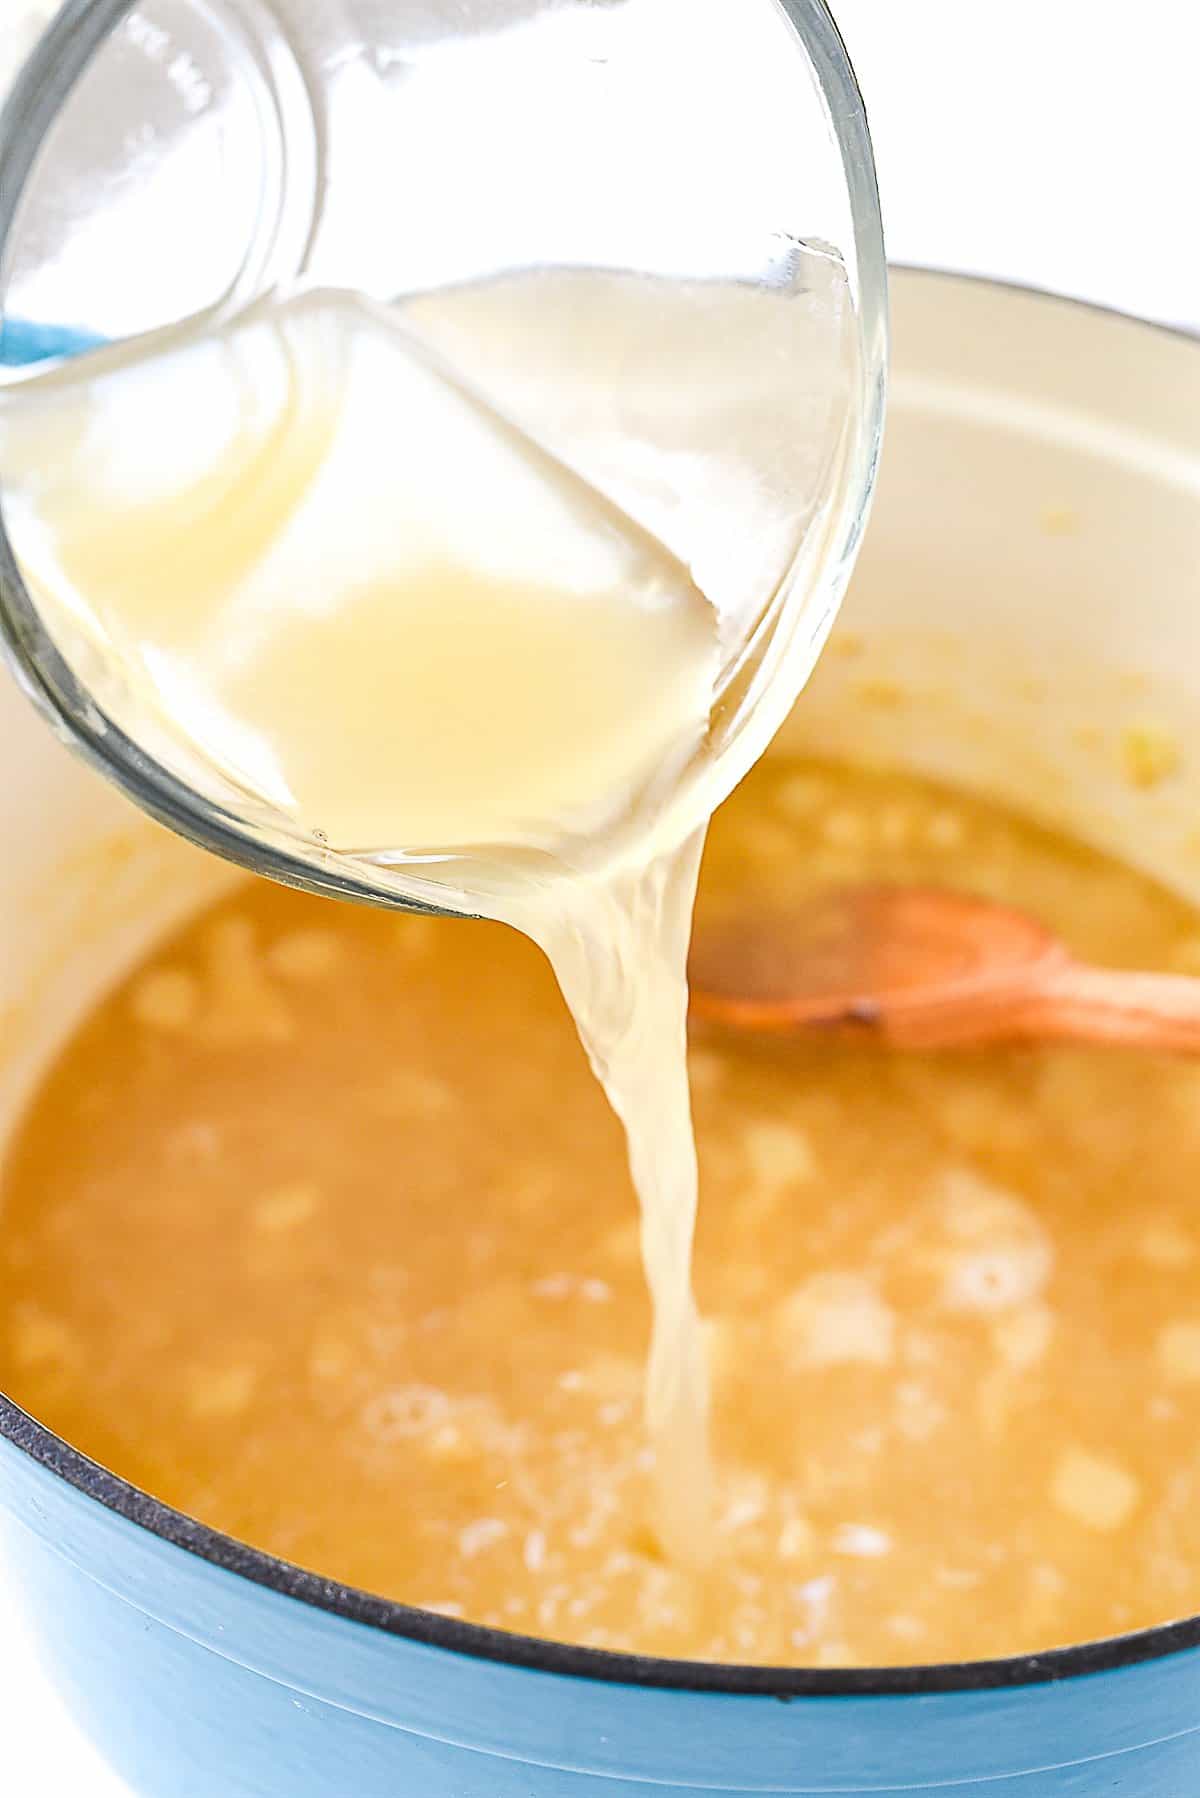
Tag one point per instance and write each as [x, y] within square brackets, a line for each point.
[1048, 141]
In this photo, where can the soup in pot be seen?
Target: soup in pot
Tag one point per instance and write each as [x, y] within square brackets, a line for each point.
[320, 1230]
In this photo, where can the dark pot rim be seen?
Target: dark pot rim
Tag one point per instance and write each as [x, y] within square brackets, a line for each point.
[392, 1618]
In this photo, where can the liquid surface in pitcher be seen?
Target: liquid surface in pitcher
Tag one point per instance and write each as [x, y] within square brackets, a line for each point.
[299, 555]
[317, 1187]
[324, 576]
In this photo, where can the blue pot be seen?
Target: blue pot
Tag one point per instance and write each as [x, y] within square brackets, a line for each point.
[204, 1669]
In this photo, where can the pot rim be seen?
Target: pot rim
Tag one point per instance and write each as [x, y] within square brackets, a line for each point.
[476, 1641]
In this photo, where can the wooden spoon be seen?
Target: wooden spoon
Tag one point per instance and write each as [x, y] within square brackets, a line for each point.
[920, 967]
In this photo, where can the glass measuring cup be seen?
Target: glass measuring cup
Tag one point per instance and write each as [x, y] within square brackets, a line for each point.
[183, 159]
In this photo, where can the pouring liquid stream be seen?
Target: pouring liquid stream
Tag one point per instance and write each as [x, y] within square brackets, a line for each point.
[334, 588]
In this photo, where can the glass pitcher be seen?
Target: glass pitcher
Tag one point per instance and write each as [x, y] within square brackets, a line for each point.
[666, 187]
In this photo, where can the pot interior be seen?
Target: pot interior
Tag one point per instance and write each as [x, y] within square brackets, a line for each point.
[1023, 616]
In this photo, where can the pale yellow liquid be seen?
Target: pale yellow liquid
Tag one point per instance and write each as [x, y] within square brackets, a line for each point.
[313, 572]
[334, 589]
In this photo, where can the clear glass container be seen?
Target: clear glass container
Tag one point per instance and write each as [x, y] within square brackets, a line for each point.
[677, 176]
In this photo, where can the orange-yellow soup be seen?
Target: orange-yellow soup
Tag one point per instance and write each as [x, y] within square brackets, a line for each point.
[320, 1230]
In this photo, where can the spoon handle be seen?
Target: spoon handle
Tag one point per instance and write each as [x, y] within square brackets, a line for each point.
[1073, 1002]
